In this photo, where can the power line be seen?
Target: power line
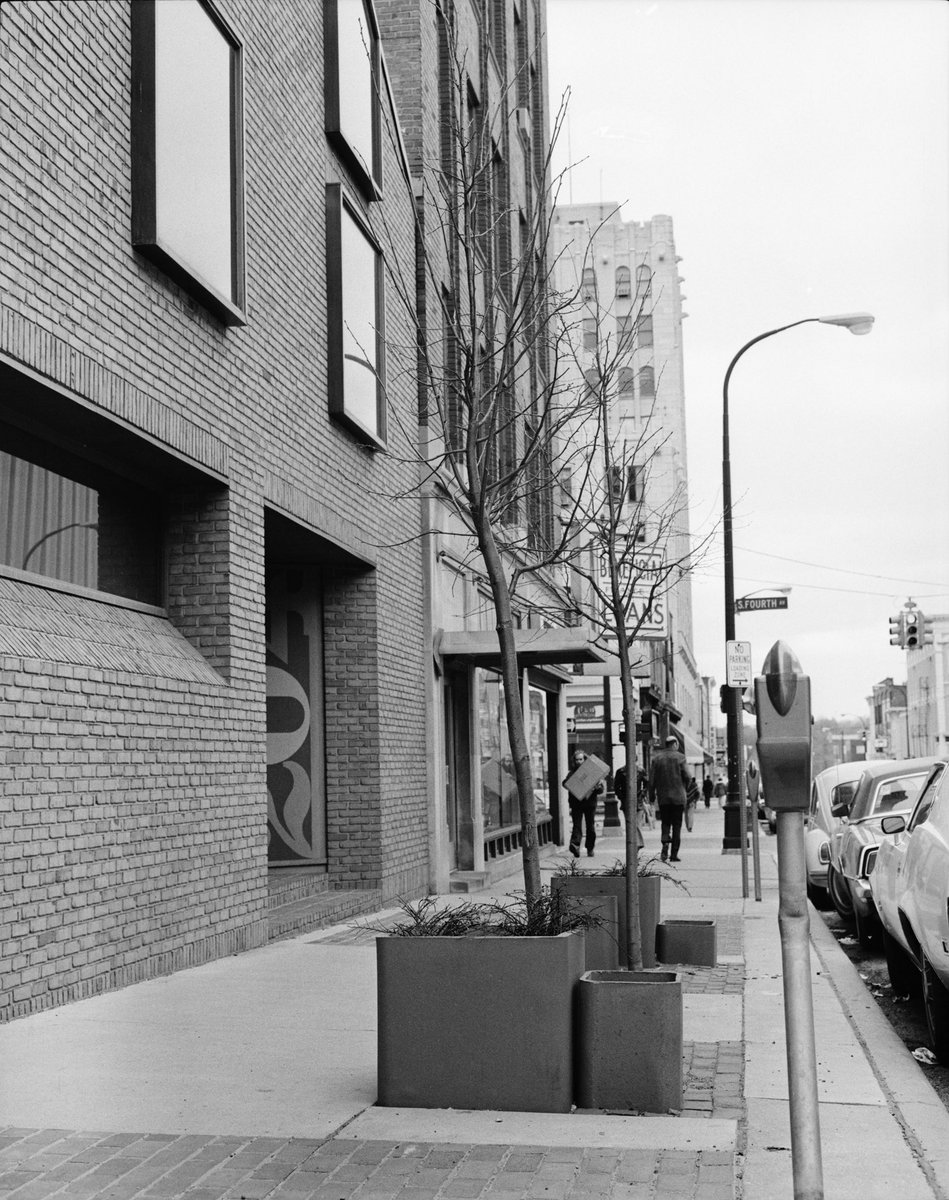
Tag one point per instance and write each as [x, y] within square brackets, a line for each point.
[844, 570]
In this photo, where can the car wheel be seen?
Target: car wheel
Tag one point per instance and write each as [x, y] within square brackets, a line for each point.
[818, 897]
[839, 894]
[904, 978]
[868, 929]
[936, 1006]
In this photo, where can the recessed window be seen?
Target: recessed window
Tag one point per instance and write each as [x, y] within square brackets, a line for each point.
[187, 194]
[622, 282]
[589, 333]
[352, 90]
[645, 334]
[647, 381]
[87, 530]
[355, 314]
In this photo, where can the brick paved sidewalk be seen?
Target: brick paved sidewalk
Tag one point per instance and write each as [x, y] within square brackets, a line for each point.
[84, 1166]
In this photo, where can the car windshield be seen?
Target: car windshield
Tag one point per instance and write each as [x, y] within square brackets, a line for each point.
[895, 795]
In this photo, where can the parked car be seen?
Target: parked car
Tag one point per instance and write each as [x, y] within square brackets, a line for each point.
[910, 885]
[831, 794]
[883, 788]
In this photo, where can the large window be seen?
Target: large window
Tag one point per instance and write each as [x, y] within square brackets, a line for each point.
[354, 320]
[352, 90]
[82, 529]
[499, 801]
[187, 195]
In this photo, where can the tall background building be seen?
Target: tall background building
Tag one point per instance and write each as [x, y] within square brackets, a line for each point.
[626, 276]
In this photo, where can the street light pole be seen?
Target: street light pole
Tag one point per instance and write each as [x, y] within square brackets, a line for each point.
[735, 833]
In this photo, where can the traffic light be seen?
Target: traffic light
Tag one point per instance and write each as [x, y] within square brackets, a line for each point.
[912, 630]
[927, 631]
[897, 629]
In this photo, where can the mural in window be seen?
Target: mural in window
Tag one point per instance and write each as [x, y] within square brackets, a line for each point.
[187, 213]
[499, 802]
[91, 536]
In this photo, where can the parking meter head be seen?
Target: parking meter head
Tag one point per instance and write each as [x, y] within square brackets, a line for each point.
[783, 713]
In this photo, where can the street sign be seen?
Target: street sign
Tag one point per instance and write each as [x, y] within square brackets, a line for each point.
[755, 603]
[738, 671]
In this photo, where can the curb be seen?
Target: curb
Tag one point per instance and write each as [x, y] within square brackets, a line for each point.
[912, 1100]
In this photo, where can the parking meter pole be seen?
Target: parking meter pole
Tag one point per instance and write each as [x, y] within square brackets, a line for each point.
[742, 815]
[783, 713]
[794, 924]
[754, 786]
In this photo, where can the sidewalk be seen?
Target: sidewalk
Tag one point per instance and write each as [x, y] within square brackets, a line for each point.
[254, 1076]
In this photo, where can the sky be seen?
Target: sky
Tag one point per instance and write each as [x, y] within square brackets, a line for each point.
[801, 148]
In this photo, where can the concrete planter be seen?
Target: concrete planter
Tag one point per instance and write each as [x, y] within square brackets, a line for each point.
[687, 941]
[478, 1022]
[588, 884]
[629, 1052]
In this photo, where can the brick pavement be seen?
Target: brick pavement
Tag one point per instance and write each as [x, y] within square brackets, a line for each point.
[37, 1164]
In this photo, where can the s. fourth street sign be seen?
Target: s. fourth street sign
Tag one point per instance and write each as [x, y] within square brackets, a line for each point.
[754, 603]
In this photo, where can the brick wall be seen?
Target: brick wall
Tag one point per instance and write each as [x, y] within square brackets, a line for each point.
[132, 740]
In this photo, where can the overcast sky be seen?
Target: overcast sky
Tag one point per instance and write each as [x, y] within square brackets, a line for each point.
[802, 149]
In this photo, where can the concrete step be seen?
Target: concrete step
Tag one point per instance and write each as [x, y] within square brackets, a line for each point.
[468, 881]
[317, 911]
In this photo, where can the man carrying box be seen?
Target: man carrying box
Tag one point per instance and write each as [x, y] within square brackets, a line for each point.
[585, 784]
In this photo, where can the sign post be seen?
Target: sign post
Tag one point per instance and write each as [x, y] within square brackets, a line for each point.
[738, 675]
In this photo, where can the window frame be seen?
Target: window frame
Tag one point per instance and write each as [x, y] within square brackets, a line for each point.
[338, 204]
[144, 166]
[366, 176]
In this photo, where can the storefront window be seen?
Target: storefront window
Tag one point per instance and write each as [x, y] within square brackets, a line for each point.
[540, 777]
[499, 804]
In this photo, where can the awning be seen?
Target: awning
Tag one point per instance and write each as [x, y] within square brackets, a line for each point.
[535, 647]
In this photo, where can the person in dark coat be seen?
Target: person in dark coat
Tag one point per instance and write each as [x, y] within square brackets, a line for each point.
[707, 789]
[669, 779]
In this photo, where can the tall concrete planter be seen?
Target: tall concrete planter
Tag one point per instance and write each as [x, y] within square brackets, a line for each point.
[629, 1051]
[587, 883]
[478, 1022]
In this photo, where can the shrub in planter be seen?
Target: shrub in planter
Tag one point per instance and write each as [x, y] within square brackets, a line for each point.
[611, 881]
[476, 1005]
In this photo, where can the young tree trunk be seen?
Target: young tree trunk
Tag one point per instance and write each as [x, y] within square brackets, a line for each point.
[514, 711]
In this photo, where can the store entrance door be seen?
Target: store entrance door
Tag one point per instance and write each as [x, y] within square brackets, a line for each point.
[458, 771]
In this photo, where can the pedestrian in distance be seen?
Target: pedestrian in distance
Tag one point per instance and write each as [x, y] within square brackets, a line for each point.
[707, 788]
[721, 791]
[583, 811]
[669, 780]
[622, 795]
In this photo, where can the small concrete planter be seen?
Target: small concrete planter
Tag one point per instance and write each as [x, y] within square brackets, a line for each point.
[687, 941]
[589, 884]
[630, 1041]
[478, 1022]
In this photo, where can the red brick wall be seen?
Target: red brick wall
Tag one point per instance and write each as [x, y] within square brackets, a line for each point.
[133, 801]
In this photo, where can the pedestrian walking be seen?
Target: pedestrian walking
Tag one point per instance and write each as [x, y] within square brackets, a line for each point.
[621, 792]
[583, 810]
[669, 779]
[707, 788]
[721, 791]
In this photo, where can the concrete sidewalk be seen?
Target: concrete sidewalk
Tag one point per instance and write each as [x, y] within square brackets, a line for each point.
[254, 1076]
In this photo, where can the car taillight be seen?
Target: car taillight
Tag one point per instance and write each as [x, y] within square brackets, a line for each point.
[823, 852]
[867, 860]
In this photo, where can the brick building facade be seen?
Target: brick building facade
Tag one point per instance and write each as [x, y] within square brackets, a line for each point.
[212, 623]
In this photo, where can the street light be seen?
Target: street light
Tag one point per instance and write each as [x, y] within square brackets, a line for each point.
[735, 823]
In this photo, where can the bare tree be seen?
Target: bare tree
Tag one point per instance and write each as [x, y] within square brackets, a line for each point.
[488, 335]
[625, 543]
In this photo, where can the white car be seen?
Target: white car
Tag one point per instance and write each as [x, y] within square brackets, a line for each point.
[910, 884]
[831, 793]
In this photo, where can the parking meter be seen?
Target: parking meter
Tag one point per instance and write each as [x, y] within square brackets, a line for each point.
[783, 710]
